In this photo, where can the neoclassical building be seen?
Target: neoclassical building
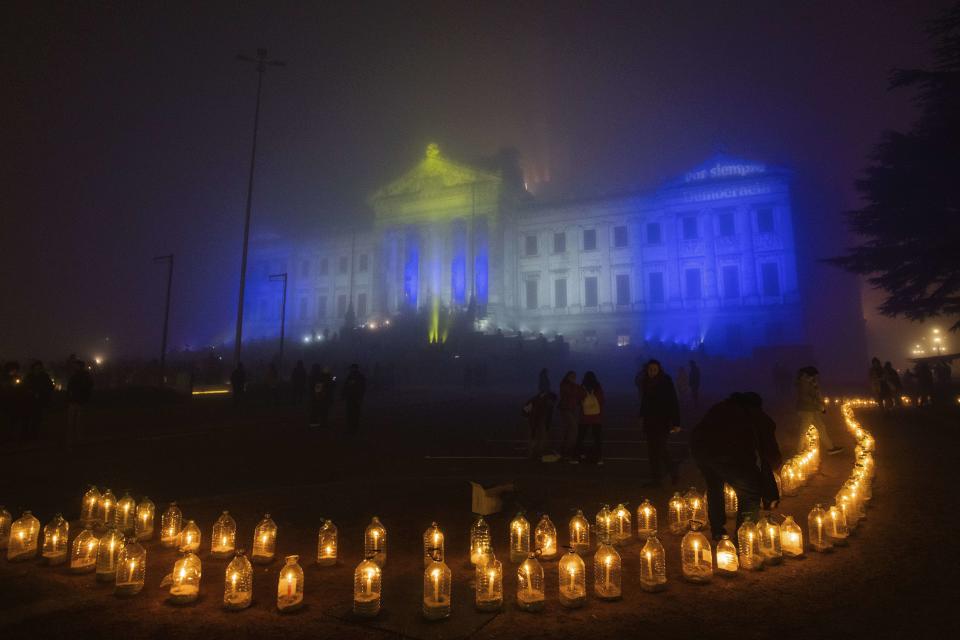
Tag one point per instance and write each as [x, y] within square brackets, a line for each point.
[706, 258]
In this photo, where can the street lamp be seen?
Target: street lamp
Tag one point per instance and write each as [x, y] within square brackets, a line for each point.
[281, 277]
[262, 64]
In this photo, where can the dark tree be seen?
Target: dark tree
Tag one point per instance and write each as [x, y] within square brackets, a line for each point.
[910, 223]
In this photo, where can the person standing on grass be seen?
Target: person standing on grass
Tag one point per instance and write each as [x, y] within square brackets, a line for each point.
[726, 445]
[39, 386]
[322, 386]
[810, 409]
[660, 412]
[568, 408]
[591, 417]
[354, 389]
[79, 391]
[694, 382]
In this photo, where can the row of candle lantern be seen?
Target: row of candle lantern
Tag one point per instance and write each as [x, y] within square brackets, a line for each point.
[123, 560]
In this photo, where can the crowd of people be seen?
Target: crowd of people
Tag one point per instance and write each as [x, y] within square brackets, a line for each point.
[26, 396]
[929, 382]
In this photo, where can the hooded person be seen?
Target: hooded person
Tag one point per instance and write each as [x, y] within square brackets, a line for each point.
[735, 443]
[810, 409]
[660, 412]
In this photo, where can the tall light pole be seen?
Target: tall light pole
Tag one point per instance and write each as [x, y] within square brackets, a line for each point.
[262, 64]
[281, 277]
[166, 316]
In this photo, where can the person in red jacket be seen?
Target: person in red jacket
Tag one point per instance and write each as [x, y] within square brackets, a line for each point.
[591, 417]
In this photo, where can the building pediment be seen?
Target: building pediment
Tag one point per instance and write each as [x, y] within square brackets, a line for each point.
[432, 174]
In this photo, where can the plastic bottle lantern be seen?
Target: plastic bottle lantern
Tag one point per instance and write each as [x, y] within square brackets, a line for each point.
[603, 525]
[170, 524]
[749, 543]
[480, 543]
[367, 585]
[530, 587]
[436, 590]
[622, 525]
[844, 504]
[789, 479]
[579, 533]
[646, 519]
[190, 537]
[607, 569]
[572, 577]
[264, 541]
[727, 563]
[694, 503]
[223, 540]
[677, 515]
[770, 543]
[90, 507]
[144, 524]
[729, 501]
[817, 530]
[519, 538]
[126, 514]
[375, 542]
[290, 585]
[83, 554]
[56, 534]
[545, 538]
[5, 520]
[111, 544]
[327, 544]
[791, 538]
[108, 508]
[696, 556]
[433, 544]
[653, 565]
[238, 583]
[185, 579]
[489, 581]
[837, 527]
[131, 568]
[23, 537]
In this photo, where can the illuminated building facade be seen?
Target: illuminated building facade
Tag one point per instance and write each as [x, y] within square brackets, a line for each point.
[708, 257]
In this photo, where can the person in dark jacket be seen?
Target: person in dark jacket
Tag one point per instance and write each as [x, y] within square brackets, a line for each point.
[298, 383]
[79, 392]
[568, 407]
[238, 382]
[660, 411]
[591, 417]
[537, 411]
[39, 387]
[354, 389]
[735, 443]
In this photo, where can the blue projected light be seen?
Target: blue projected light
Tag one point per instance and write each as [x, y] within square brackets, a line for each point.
[411, 269]
[481, 263]
[458, 267]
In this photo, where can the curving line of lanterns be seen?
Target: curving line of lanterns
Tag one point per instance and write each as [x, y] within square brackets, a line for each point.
[118, 556]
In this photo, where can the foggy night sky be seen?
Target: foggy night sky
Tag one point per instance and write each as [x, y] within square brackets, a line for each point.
[126, 131]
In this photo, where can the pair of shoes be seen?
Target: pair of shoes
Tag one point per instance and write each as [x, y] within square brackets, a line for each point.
[549, 457]
[314, 424]
[834, 451]
[600, 462]
[573, 461]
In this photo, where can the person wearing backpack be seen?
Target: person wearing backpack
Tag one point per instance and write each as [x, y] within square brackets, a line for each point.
[660, 412]
[591, 417]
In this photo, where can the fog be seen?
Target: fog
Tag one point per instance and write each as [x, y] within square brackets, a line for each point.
[128, 126]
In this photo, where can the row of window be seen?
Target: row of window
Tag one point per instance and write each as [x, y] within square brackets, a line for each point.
[303, 311]
[693, 290]
[343, 266]
[690, 229]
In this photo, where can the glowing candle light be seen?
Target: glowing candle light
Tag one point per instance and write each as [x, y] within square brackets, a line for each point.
[624, 528]
[727, 563]
[530, 586]
[696, 557]
[327, 544]
[545, 537]
[24, 532]
[55, 536]
[749, 543]
[677, 515]
[131, 568]
[646, 519]
[792, 538]
[190, 537]
[433, 544]
[90, 508]
[264, 541]
[489, 585]
[367, 588]
[238, 586]
[126, 514]
[83, 555]
[519, 538]
[817, 530]
[436, 590]
[170, 524]
[770, 541]
[185, 579]
[290, 585]
[572, 578]
[111, 544]
[480, 541]
[606, 573]
[579, 533]
[375, 541]
[653, 570]
[143, 525]
[223, 539]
